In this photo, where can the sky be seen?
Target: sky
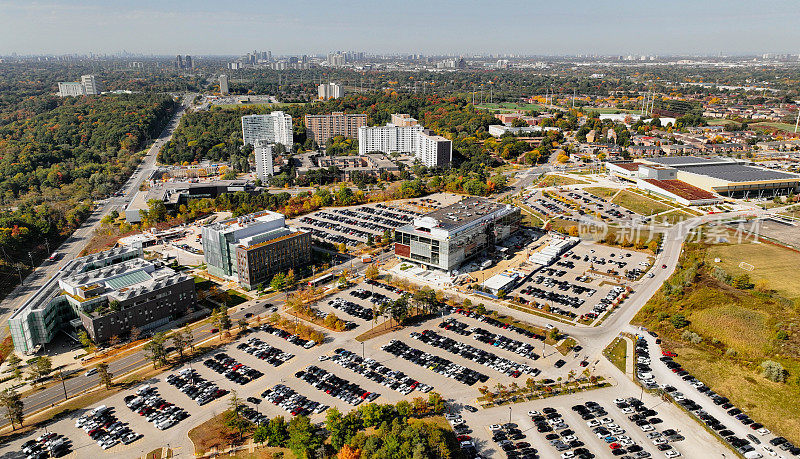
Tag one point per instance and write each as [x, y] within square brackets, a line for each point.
[234, 27]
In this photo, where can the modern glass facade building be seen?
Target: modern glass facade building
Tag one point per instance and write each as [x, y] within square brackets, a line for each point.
[447, 237]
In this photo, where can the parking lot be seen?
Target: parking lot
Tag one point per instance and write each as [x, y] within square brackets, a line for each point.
[585, 282]
[574, 204]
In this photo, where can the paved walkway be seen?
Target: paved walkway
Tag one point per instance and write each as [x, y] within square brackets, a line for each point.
[629, 356]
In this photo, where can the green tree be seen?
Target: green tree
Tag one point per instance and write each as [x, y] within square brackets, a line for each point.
[40, 367]
[302, 438]
[13, 407]
[179, 341]
[221, 319]
[277, 432]
[436, 402]
[155, 350]
[371, 272]
[86, 341]
[679, 321]
[278, 282]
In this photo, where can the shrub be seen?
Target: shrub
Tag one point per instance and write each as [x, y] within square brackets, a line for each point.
[773, 371]
[679, 321]
[730, 352]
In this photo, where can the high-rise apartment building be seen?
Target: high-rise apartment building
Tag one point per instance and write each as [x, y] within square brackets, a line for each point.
[388, 139]
[66, 89]
[403, 120]
[327, 91]
[178, 61]
[275, 127]
[263, 153]
[323, 127]
[87, 86]
[223, 84]
[91, 85]
[187, 62]
[252, 248]
[434, 150]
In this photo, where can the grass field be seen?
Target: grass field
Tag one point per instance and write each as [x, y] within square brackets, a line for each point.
[642, 205]
[617, 352]
[674, 216]
[607, 110]
[559, 180]
[774, 125]
[722, 122]
[736, 330]
[510, 106]
[772, 263]
[601, 192]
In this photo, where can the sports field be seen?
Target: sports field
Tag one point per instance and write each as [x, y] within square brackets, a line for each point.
[642, 205]
[510, 106]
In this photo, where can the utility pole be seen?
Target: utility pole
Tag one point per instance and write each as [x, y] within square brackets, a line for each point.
[64, 386]
[797, 122]
[30, 254]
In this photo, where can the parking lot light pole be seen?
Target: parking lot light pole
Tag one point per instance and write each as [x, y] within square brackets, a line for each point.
[509, 414]
[362, 350]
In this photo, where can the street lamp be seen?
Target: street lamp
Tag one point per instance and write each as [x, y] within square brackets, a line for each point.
[509, 414]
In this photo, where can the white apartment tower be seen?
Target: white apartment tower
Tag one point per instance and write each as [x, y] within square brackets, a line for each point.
[275, 127]
[90, 85]
[223, 84]
[263, 152]
[66, 89]
[329, 91]
[388, 139]
[434, 150]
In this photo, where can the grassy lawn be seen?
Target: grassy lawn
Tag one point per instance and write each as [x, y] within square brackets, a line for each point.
[617, 352]
[722, 122]
[736, 330]
[606, 110]
[774, 125]
[602, 192]
[642, 205]
[510, 106]
[559, 180]
[774, 264]
[674, 217]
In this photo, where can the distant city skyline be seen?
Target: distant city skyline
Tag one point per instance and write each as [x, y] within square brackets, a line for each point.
[532, 27]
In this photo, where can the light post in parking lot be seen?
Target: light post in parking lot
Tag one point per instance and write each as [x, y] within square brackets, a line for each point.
[362, 350]
[509, 414]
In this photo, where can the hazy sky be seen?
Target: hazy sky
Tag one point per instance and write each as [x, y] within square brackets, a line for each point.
[434, 26]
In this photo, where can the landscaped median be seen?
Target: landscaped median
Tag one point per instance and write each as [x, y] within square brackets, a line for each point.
[541, 389]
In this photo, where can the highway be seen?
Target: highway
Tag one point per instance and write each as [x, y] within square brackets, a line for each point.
[72, 247]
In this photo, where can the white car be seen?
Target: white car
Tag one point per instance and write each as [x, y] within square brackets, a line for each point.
[531, 413]
[593, 423]
[647, 428]
[671, 453]
[567, 455]
[495, 427]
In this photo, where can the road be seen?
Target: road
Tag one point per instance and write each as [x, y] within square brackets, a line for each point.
[81, 383]
[72, 247]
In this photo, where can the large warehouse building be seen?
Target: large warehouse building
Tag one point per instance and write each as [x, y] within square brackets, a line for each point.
[447, 237]
[729, 177]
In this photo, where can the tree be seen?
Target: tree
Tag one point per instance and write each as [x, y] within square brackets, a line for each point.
[114, 340]
[135, 333]
[277, 432]
[290, 279]
[436, 402]
[399, 308]
[104, 374]
[371, 272]
[278, 282]
[13, 405]
[679, 321]
[302, 437]
[242, 325]
[179, 341]
[189, 337]
[13, 361]
[235, 419]
[155, 350]
[261, 434]
[773, 371]
[86, 341]
[221, 319]
[742, 282]
[349, 453]
[40, 367]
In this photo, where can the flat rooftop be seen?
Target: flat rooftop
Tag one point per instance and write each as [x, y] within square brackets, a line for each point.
[677, 161]
[464, 212]
[740, 173]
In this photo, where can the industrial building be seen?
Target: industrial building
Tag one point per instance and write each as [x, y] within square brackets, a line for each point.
[106, 293]
[447, 237]
[663, 181]
[252, 248]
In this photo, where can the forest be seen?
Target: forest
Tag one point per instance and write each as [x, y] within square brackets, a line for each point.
[58, 154]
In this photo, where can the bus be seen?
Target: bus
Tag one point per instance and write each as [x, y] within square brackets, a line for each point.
[324, 279]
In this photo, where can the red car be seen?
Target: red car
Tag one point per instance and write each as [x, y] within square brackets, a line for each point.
[615, 446]
[668, 354]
